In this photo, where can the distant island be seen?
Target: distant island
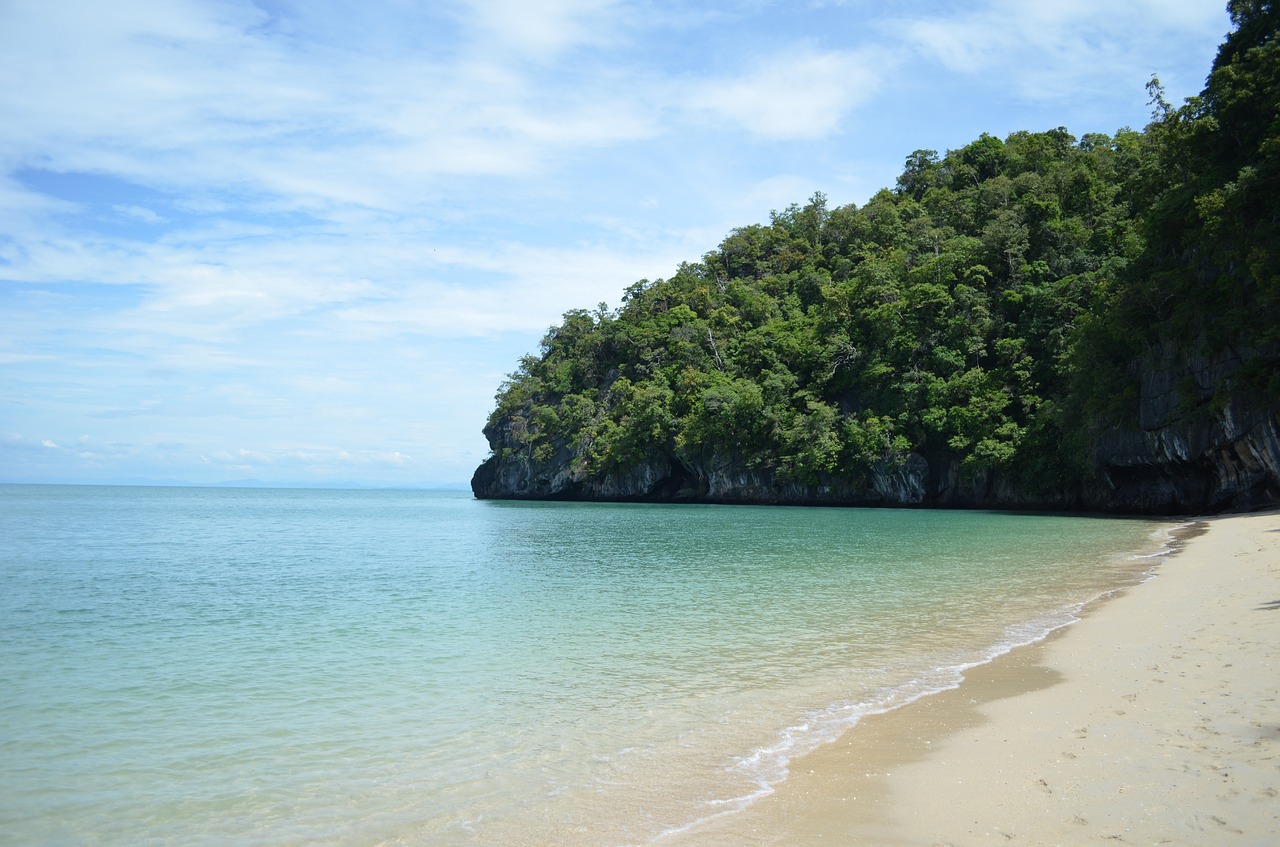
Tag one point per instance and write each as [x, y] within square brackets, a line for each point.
[1038, 322]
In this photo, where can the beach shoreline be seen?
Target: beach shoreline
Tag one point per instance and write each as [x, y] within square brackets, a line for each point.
[1154, 720]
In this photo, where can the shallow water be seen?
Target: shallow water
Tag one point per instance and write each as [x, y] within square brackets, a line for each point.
[272, 667]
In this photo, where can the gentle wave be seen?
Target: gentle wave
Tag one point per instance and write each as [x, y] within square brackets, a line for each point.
[768, 766]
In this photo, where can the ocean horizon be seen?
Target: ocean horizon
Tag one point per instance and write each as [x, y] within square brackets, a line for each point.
[274, 666]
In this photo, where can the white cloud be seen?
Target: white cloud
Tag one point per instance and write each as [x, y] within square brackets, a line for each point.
[542, 29]
[240, 457]
[534, 287]
[1061, 49]
[138, 213]
[312, 460]
[200, 95]
[793, 94]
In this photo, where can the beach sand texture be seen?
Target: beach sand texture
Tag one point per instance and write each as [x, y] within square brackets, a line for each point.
[1155, 720]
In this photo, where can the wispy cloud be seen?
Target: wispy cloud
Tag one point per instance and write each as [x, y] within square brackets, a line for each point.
[1062, 49]
[794, 94]
[542, 30]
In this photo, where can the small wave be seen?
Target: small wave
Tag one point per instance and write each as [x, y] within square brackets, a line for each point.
[1169, 538]
[769, 765]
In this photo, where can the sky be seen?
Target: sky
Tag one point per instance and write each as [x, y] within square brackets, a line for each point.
[304, 241]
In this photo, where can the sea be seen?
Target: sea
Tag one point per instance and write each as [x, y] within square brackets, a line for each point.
[212, 666]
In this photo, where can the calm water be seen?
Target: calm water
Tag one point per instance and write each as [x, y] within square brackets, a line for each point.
[267, 667]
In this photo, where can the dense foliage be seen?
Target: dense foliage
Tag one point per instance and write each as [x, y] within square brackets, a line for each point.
[1208, 199]
[990, 308]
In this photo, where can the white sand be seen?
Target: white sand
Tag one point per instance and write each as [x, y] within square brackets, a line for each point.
[1155, 720]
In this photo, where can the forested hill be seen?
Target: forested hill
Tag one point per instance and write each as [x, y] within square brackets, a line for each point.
[1039, 321]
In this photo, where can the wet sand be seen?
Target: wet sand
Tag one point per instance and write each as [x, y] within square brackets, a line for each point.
[1154, 720]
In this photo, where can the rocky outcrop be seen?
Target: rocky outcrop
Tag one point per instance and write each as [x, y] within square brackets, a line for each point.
[1191, 449]
[1189, 452]
[666, 478]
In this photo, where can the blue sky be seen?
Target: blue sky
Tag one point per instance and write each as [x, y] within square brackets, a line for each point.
[303, 241]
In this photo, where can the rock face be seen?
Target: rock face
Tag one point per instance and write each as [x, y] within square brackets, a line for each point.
[1184, 454]
[1188, 453]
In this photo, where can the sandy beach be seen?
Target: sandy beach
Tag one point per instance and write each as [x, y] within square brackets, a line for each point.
[1154, 720]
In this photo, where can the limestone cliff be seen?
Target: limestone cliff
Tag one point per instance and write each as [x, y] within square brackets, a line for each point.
[1192, 449]
[1187, 452]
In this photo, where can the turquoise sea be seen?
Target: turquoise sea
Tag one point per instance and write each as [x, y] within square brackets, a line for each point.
[193, 666]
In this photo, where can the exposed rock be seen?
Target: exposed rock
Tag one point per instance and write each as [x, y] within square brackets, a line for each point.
[1188, 452]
